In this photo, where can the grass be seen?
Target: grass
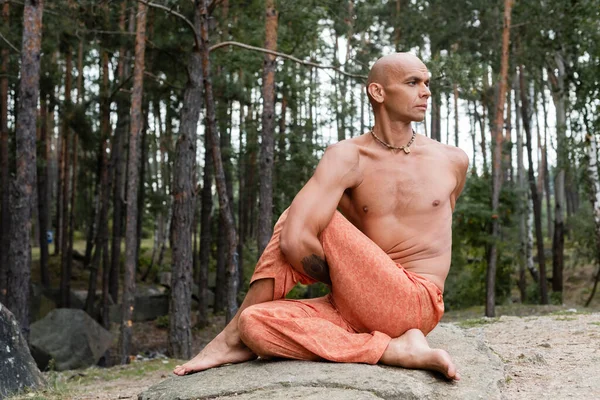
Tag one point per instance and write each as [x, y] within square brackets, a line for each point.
[565, 318]
[61, 385]
[474, 322]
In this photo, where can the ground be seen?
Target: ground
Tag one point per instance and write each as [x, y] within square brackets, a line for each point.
[556, 356]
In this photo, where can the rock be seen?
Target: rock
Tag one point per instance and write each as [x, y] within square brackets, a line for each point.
[70, 337]
[482, 374]
[17, 368]
[146, 308]
[195, 296]
[40, 303]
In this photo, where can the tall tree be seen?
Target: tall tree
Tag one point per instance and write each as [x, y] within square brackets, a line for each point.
[119, 152]
[224, 204]
[184, 201]
[4, 164]
[21, 200]
[594, 180]
[133, 167]
[535, 197]
[43, 197]
[490, 305]
[65, 272]
[265, 213]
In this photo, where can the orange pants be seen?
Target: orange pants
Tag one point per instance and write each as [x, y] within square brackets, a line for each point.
[372, 300]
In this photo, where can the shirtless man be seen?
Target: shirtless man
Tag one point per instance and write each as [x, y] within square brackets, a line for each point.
[399, 189]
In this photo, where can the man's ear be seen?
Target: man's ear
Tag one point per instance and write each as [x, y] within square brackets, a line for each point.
[375, 91]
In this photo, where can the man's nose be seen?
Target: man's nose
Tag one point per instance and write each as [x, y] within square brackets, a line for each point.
[425, 92]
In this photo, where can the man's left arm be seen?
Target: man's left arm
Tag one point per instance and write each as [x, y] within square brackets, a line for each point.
[461, 162]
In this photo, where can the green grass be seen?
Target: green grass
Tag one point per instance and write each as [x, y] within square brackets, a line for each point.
[474, 322]
[61, 385]
[565, 318]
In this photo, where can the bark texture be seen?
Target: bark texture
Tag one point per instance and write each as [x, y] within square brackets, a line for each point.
[490, 304]
[594, 180]
[535, 197]
[23, 189]
[265, 213]
[133, 167]
[4, 169]
[43, 197]
[184, 200]
[224, 205]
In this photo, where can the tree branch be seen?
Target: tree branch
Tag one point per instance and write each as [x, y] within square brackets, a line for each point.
[161, 80]
[175, 13]
[10, 44]
[289, 57]
[246, 46]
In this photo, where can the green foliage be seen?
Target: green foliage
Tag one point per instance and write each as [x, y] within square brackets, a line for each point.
[466, 282]
[162, 322]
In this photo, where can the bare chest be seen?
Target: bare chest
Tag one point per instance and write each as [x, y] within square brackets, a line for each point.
[407, 189]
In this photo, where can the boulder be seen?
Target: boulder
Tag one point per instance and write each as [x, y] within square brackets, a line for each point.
[70, 337]
[482, 374]
[147, 307]
[17, 368]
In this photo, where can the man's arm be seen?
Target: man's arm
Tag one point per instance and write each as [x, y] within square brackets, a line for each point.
[462, 166]
[314, 206]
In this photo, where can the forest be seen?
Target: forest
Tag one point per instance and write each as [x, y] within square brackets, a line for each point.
[157, 142]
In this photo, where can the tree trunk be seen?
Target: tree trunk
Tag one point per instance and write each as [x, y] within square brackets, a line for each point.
[133, 167]
[594, 181]
[507, 151]
[205, 232]
[522, 185]
[65, 272]
[184, 201]
[224, 204]
[490, 305]
[559, 95]
[23, 189]
[4, 164]
[537, 203]
[42, 190]
[119, 152]
[455, 92]
[481, 120]
[265, 212]
[103, 197]
[436, 129]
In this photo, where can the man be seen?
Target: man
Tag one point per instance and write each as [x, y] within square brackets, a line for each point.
[385, 257]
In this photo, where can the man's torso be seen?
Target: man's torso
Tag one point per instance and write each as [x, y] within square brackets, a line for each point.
[404, 203]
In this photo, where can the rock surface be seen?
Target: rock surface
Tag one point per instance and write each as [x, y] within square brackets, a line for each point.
[70, 337]
[482, 375]
[17, 368]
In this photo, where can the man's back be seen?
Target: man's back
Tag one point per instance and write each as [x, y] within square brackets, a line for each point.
[404, 203]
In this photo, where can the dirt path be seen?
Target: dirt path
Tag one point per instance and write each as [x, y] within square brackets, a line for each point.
[553, 356]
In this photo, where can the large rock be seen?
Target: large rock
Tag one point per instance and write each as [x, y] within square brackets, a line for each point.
[482, 374]
[150, 303]
[70, 337]
[17, 368]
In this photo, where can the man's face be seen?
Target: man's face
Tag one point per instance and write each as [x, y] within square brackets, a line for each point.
[406, 92]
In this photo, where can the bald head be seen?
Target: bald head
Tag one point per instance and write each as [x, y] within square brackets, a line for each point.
[389, 68]
[392, 65]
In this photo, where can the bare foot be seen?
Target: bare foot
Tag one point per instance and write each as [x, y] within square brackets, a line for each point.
[223, 349]
[411, 350]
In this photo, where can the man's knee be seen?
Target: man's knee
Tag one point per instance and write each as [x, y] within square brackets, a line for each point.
[249, 327]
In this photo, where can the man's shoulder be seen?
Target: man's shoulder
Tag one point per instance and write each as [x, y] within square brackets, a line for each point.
[344, 152]
[454, 154]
